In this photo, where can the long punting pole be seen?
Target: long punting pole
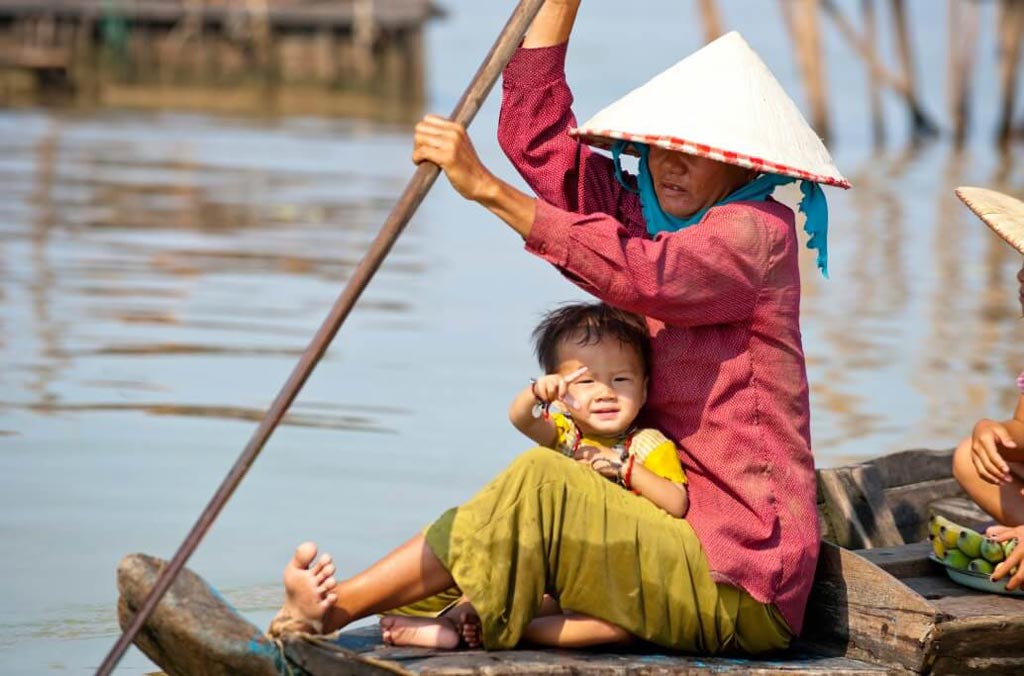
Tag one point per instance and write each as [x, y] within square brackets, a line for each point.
[420, 183]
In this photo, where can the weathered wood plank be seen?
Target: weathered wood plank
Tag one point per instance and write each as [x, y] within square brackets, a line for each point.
[803, 660]
[962, 510]
[902, 562]
[856, 507]
[912, 466]
[876, 617]
[910, 504]
[192, 632]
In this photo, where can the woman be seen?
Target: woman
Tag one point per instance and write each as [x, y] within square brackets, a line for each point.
[698, 247]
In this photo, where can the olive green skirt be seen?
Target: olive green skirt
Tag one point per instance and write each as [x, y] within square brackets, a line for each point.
[548, 524]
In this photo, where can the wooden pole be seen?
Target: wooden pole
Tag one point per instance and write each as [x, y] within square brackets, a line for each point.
[711, 18]
[420, 183]
[801, 18]
[874, 92]
[897, 83]
[919, 126]
[963, 31]
[1011, 25]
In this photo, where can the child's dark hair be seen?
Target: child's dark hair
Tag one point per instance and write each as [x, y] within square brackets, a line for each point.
[588, 323]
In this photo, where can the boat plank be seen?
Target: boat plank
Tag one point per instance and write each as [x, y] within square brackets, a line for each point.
[912, 466]
[911, 504]
[856, 507]
[365, 642]
[901, 562]
[875, 616]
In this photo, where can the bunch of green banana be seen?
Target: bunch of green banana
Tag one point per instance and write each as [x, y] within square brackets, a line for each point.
[965, 549]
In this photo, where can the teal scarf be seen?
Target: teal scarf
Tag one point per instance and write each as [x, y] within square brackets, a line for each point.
[813, 203]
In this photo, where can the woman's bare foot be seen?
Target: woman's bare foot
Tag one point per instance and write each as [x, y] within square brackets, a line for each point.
[308, 592]
[422, 632]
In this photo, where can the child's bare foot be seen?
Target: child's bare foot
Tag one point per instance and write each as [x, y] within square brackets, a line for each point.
[470, 630]
[308, 592]
[463, 616]
[422, 632]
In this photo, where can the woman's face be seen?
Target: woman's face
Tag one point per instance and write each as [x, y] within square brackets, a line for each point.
[685, 184]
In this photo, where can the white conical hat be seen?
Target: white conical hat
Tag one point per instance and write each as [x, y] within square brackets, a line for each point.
[1002, 213]
[723, 103]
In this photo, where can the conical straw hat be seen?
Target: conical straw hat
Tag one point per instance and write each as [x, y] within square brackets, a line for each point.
[1002, 213]
[723, 103]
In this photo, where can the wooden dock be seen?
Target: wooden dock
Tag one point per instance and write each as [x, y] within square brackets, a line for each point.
[127, 51]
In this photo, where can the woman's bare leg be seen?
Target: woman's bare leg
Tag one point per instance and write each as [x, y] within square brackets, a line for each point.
[1004, 502]
[574, 631]
[408, 574]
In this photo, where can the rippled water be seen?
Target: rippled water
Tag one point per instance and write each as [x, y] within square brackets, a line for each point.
[161, 273]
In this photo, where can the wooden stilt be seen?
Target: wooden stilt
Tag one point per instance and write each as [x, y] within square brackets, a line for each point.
[802, 21]
[1011, 26]
[920, 127]
[963, 31]
[897, 83]
[875, 94]
[711, 18]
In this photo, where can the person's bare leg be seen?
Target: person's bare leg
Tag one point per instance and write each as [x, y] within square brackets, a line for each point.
[1004, 502]
[408, 574]
[422, 632]
[574, 631]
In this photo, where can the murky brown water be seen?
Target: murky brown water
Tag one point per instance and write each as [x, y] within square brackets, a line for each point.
[161, 273]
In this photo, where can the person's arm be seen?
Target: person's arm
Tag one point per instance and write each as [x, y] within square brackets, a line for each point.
[553, 24]
[669, 495]
[541, 430]
[710, 273]
[533, 131]
[995, 443]
[548, 389]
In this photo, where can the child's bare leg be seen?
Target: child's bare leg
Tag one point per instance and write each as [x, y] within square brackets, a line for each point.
[1004, 502]
[422, 632]
[408, 574]
[574, 631]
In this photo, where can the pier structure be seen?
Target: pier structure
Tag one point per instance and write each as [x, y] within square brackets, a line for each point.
[221, 51]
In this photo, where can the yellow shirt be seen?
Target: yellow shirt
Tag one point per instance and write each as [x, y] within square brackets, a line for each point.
[653, 449]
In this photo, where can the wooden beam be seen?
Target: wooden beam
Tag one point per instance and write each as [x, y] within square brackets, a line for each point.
[897, 83]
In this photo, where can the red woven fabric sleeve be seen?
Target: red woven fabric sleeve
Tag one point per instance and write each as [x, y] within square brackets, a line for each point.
[536, 115]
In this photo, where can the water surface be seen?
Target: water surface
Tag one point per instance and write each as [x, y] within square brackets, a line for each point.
[161, 273]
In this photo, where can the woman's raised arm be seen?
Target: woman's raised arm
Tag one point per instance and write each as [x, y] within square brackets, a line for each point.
[553, 23]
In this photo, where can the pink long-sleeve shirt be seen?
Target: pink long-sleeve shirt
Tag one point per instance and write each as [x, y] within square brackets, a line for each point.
[722, 301]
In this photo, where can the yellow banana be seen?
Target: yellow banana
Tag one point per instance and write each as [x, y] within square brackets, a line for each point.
[939, 547]
[950, 534]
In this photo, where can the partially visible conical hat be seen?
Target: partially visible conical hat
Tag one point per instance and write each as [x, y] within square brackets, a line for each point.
[1002, 213]
[723, 103]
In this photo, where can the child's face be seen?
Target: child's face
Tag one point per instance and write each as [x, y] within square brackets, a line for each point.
[608, 396]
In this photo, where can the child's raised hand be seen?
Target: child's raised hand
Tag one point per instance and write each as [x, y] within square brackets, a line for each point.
[987, 437]
[555, 387]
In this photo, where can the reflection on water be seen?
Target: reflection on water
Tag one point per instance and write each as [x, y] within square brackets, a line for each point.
[120, 229]
[160, 274]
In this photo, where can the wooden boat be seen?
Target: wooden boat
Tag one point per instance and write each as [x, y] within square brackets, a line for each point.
[879, 606]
